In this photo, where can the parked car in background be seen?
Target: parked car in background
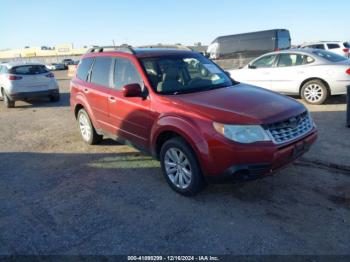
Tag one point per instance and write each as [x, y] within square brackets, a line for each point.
[184, 110]
[21, 81]
[313, 74]
[337, 47]
[67, 62]
[55, 66]
[249, 45]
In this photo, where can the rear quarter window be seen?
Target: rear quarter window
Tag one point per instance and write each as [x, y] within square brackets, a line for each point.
[84, 68]
[28, 70]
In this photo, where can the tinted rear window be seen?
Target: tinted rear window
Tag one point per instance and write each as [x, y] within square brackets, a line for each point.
[332, 57]
[333, 46]
[347, 45]
[283, 40]
[84, 67]
[28, 70]
[101, 70]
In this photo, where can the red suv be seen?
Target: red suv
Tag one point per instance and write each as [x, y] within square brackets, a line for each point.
[186, 112]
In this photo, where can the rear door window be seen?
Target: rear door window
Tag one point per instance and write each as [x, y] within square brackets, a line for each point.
[264, 62]
[125, 73]
[29, 70]
[319, 46]
[101, 71]
[333, 46]
[84, 68]
[290, 60]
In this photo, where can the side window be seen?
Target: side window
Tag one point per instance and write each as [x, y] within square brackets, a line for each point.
[290, 60]
[101, 70]
[264, 62]
[307, 59]
[125, 73]
[83, 68]
[319, 46]
[333, 46]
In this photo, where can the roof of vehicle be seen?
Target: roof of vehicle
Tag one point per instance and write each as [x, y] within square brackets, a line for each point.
[143, 52]
[154, 52]
[309, 51]
[323, 42]
[20, 63]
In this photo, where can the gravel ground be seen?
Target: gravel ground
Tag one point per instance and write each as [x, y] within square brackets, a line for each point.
[60, 196]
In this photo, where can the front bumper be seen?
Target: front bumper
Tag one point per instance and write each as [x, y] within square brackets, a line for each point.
[36, 94]
[254, 161]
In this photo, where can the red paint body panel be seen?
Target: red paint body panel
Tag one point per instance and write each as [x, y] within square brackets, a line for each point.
[143, 120]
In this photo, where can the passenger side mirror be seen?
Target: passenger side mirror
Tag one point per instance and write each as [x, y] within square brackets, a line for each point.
[251, 66]
[132, 90]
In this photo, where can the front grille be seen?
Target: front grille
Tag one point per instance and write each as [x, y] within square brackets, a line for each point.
[290, 129]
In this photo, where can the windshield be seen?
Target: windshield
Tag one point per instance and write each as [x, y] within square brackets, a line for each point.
[329, 56]
[184, 74]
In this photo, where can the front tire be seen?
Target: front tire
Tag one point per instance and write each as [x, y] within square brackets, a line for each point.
[314, 92]
[180, 167]
[87, 130]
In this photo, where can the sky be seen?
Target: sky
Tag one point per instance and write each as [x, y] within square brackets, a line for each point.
[137, 22]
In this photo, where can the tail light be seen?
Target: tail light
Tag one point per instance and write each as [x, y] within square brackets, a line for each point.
[348, 71]
[346, 50]
[277, 49]
[51, 75]
[14, 77]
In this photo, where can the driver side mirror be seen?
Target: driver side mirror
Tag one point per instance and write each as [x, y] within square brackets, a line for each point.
[132, 90]
[251, 66]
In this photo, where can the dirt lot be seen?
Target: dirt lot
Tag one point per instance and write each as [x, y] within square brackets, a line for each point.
[60, 196]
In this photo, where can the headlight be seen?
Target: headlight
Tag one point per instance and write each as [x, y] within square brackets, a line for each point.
[244, 134]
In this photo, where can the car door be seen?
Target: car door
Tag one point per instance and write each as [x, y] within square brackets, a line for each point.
[258, 72]
[289, 77]
[98, 88]
[130, 117]
[289, 71]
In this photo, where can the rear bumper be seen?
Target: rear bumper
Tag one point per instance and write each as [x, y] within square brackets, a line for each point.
[28, 95]
[264, 163]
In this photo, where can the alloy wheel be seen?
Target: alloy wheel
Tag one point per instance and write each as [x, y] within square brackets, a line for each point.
[85, 127]
[313, 93]
[178, 168]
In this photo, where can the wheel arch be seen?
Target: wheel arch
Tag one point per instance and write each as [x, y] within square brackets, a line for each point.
[315, 78]
[171, 126]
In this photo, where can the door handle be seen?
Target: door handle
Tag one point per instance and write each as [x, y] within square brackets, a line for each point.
[112, 99]
[86, 90]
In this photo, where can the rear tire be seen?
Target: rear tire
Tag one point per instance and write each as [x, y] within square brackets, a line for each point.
[180, 167]
[55, 98]
[87, 130]
[7, 101]
[314, 92]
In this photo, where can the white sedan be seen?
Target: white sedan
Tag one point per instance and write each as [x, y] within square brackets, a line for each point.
[311, 73]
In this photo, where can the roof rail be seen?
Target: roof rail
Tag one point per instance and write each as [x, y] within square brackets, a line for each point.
[100, 49]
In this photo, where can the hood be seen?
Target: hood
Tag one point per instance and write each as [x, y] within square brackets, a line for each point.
[240, 104]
